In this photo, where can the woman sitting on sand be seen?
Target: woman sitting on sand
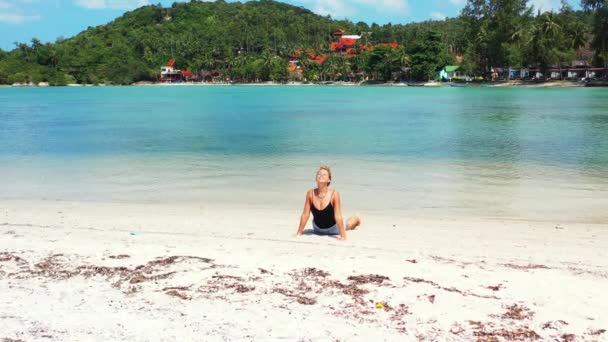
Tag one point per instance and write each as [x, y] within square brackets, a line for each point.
[327, 220]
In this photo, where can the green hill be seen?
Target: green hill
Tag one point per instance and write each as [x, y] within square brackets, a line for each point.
[199, 35]
[252, 42]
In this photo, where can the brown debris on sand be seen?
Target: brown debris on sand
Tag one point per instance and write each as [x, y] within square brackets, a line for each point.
[495, 287]
[398, 317]
[352, 290]
[367, 279]
[568, 338]
[486, 333]
[461, 264]
[178, 294]
[596, 332]
[51, 267]
[56, 267]
[312, 279]
[551, 324]
[220, 282]
[518, 312]
[313, 272]
[263, 271]
[370, 298]
[140, 277]
[299, 297]
[448, 289]
[223, 276]
[120, 256]
[180, 288]
[5, 256]
[527, 267]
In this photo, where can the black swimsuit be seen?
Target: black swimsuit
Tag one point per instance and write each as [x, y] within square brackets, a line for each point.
[325, 218]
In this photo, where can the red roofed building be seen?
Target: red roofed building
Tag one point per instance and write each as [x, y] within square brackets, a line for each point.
[345, 44]
[169, 74]
[319, 59]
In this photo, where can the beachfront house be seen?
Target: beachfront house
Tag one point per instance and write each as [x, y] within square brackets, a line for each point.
[449, 72]
[295, 70]
[575, 71]
[580, 69]
[169, 74]
[519, 73]
[572, 73]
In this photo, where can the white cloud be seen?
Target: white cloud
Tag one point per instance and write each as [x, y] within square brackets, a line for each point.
[11, 12]
[90, 3]
[545, 5]
[15, 18]
[4, 5]
[438, 15]
[111, 4]
[458, 2]
[336, 8]
[387, 6]
[345, 8]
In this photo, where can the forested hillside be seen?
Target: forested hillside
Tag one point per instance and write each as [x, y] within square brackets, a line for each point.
[252, 41]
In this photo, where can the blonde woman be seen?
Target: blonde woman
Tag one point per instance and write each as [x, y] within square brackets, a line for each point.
[326, 208]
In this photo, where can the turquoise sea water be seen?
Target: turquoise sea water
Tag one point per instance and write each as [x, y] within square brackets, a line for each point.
[489, 151]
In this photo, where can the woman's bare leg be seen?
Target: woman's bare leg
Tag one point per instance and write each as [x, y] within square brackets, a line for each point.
[353, 222]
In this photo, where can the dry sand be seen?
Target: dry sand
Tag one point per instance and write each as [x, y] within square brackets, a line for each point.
[85, 271]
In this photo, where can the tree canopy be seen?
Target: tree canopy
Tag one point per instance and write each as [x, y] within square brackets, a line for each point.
[252, 41]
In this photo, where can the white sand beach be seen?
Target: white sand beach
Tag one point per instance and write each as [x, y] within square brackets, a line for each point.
[91, 271]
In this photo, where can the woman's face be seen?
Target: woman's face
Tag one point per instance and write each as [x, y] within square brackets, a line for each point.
[322, 176]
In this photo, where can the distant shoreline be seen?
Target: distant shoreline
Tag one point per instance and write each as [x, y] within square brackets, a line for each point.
[522, 84]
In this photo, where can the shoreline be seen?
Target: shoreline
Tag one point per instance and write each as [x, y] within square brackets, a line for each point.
[503, 84]
[185, 270]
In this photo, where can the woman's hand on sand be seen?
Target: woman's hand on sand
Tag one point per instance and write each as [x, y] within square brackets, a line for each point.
[342, 238]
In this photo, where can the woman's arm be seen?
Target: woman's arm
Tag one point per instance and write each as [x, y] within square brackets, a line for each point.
[305, 213]
[338, 215]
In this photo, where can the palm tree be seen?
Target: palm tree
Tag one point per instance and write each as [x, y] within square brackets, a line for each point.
[578, 35]
[400, 58]
[366, 38]
[482, 41]
[329, 67]
[238, 64]
[267, 58]
[311, 69]
[600, 27]
[553, 33]
[343, 66]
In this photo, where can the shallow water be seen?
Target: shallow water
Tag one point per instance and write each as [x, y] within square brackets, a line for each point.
[482, 152]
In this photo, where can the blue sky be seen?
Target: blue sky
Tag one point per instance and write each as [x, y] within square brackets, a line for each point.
[21, 20]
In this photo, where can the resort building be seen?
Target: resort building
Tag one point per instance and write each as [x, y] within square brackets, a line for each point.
[169, 74]
[449, 72]
[347, 45]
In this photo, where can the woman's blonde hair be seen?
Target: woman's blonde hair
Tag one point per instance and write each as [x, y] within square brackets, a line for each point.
[326, 168]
